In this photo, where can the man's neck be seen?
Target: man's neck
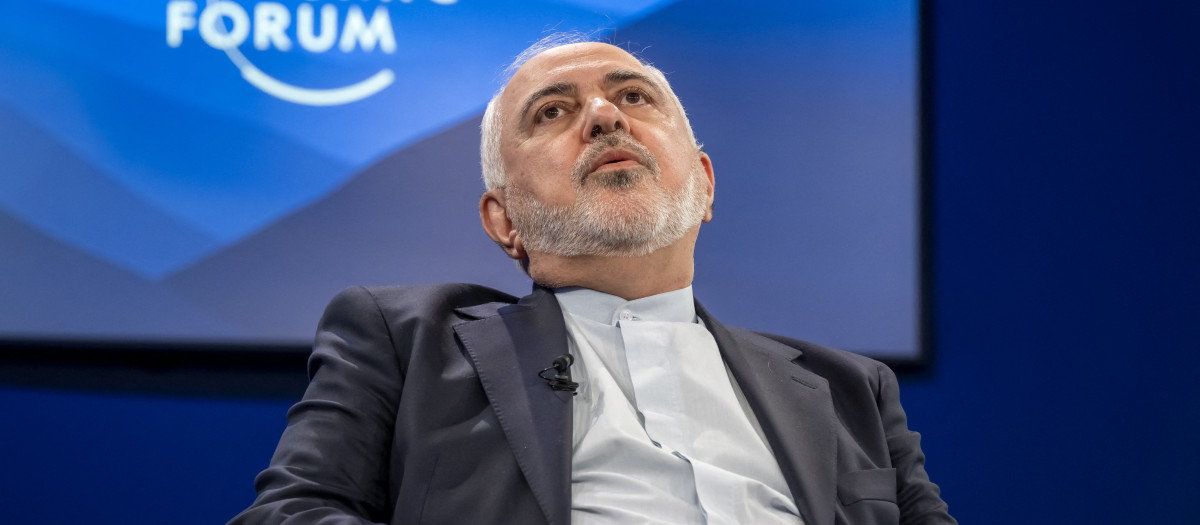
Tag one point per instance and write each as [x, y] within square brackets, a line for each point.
[670, 268]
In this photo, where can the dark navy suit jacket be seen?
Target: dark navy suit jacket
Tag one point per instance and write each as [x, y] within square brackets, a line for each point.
[425, 406]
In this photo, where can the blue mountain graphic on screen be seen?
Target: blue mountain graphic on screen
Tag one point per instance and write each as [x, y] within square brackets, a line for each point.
[152, 156]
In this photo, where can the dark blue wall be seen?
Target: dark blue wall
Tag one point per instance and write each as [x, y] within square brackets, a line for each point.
[1067, 266]
[1066, 283]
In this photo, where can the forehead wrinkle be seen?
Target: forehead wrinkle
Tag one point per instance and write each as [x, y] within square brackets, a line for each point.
[557, 88]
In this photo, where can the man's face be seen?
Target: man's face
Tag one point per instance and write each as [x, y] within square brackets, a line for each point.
[597, 156]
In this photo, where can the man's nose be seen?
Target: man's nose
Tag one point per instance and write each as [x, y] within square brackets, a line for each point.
[602, 117]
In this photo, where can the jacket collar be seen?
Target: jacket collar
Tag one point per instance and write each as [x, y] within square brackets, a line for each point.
[509, 344]
[794, 407]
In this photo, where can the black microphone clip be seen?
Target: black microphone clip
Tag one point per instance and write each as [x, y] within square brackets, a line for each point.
[562, 378]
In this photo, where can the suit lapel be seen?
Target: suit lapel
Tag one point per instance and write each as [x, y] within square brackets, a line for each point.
[794, 408]
[509, 345]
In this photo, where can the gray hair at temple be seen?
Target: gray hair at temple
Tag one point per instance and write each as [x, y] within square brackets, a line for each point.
[489, 145]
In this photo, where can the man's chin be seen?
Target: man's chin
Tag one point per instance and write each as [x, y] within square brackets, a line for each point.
[608, 248]
[618, 179]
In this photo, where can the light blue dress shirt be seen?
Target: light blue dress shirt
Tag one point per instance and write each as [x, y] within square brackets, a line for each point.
[662, 433]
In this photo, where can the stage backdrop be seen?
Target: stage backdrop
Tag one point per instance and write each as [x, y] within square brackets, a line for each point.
[183, 171]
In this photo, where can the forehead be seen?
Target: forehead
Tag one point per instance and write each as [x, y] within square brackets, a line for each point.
[579, 63]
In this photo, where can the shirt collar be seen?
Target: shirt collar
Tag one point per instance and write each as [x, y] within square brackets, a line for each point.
[674, 306]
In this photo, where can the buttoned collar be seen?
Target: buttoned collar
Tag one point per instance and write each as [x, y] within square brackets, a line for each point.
[675, 306]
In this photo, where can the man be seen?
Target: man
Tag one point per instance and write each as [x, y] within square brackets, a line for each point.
[459, 404]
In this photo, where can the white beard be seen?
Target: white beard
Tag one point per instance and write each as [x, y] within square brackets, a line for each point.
[611, 216]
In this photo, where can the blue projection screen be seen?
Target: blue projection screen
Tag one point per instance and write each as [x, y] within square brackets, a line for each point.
[191, 172]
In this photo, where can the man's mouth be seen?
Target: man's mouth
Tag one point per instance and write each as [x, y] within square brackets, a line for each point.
[614, 154]
[615, 159]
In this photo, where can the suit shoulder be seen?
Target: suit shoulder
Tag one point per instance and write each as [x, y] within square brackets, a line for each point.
[831, 363]
[417, 301]
[815, 350]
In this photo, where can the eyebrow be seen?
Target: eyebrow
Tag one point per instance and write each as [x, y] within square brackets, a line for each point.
[621, 76]
[558, 88]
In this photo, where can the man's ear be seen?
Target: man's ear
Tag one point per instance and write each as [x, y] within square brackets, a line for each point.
[706, 163]
[493, 212]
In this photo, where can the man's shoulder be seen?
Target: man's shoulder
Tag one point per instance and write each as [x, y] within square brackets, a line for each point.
[830, 363]
[433, 300]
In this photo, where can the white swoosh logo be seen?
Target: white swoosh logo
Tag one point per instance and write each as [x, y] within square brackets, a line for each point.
[307, 96]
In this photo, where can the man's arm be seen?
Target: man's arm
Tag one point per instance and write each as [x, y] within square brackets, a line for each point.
[919, 499]
[331, 465]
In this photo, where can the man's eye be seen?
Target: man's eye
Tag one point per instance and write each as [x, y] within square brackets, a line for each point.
[551, 113]
[633, 97]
